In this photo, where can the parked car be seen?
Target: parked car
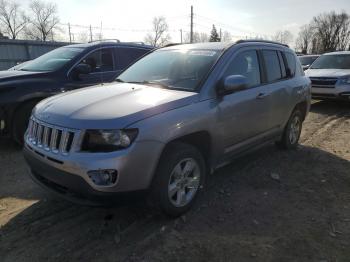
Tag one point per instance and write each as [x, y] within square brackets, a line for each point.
[307, 60]
[330, 76]
[171, 118]
[61, 70]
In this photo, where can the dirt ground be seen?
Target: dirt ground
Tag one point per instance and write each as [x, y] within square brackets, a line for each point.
[271, 205]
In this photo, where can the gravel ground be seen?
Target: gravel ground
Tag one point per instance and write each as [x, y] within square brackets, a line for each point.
[270, 205]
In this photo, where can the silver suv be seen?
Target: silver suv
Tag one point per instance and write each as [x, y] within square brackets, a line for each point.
[170, 119]
[330, 76]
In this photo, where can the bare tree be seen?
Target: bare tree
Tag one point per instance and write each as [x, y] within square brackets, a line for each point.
[332, 31]
[226, 37]
[159, 36]
[305, 39]
[12, 18]
[284, 37]
[198, 37]
[44, 20]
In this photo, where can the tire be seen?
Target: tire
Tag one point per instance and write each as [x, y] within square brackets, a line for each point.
[21, 120]
[292, 131]
[179, 179]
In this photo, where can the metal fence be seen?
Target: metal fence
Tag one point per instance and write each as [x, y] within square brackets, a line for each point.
[13, 52]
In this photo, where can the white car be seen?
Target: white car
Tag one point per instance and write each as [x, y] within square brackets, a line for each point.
[330, 76]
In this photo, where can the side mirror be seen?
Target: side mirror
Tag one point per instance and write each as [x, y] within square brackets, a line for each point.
[83, 69]
[231, 84]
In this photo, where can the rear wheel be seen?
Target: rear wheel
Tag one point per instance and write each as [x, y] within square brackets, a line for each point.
[292, 131]
[21, 120]
[179, 179]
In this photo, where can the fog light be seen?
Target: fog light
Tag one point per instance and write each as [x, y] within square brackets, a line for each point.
[103, 177]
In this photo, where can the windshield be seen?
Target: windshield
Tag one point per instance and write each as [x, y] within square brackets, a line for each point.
[173, 69]
[53, 60]
[307, 60]
[332, 62]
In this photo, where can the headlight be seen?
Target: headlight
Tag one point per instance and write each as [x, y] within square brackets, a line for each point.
[344, 80]
[108, 140]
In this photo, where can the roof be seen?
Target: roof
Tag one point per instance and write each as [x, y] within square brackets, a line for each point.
[111, 43]
[338, 53]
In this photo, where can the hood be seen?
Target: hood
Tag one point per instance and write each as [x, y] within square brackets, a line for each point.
[110, 106]
[17, 74]
[327, 72]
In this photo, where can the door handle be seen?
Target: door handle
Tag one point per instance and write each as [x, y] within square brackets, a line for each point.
[262, 95]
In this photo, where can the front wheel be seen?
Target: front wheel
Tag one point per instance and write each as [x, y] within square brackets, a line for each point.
[179, 179]
[292, 131]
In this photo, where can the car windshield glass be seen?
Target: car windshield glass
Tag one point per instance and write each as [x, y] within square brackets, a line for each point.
[173, 69]
[53, 60]
[332, 62]
[307, 60]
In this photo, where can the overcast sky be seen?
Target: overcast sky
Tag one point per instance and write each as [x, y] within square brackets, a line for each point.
[129, 20]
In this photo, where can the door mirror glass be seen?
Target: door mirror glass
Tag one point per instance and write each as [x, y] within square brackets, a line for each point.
[232, 83]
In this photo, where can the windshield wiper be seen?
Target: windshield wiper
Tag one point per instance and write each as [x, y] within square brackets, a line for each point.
[152, 83]
[119, 80]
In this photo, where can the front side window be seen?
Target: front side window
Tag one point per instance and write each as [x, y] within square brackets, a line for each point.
[272, 64]
[332, 62]
[245, 64]
[100, 60]
[53, 60]
[174, 69]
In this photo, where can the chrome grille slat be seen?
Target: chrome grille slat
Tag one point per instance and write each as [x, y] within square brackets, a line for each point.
[51, 138]
[64, 142]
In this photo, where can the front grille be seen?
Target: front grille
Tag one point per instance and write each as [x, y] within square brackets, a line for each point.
[51, 138]
[323, 82]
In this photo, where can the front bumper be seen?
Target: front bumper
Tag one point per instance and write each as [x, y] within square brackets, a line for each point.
[341, 92]
[68, 174]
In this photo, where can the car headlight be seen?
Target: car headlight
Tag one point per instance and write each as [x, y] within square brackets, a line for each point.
[345, 80]
[108, 140]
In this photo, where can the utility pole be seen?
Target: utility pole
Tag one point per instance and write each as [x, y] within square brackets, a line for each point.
[191, 33]
[90, 34]
[220, 36]
[181, 35]
[70, 37]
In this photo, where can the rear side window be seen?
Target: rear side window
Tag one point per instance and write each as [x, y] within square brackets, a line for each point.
[245, 64]
[126, 56]
[291, 63]
[273, 68]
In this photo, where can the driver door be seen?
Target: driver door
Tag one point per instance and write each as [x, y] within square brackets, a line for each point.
[102, 67]
[244, 115]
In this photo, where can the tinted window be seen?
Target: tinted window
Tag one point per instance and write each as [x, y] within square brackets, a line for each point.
[245, 64]
[100, 60]
[127, 56]
[272, 63]
[283, 66]
[291, 63]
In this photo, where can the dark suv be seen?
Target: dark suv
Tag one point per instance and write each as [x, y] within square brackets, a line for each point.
[60, 70]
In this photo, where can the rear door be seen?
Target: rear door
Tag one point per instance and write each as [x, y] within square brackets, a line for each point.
[244, 115]
[276, 81]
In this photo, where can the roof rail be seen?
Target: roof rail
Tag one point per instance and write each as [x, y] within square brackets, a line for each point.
[260, 41]
[137, 43]
[105, 40]
[172, 44]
